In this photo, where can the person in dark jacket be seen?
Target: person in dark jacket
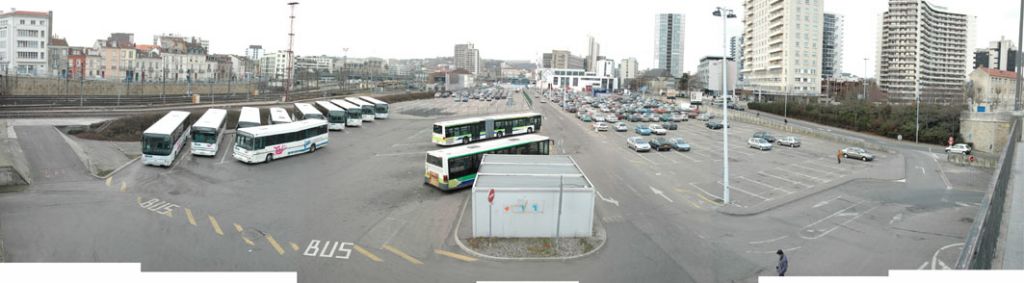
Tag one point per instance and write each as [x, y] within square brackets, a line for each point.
[783, 263]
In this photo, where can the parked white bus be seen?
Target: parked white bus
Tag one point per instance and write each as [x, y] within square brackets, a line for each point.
[249, 117]
[368, 112]
[266, 143]
[162, 140]
[207, 131]
[279, 116]
[456, 167]
[306, 111]
[475, 129]
[353, 113]
[335, 115]
[380, 108]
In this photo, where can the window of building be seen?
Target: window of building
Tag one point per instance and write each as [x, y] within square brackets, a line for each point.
[23, 22]
[28, 55]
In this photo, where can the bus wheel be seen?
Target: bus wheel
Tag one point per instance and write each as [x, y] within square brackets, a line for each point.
[529, 130]
[269, 158]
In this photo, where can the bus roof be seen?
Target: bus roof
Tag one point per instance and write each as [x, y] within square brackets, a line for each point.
[249, 114]
[168, 123]
[212, 119]
[479, 119]
[278, 114]
[329, 106]
[358, 102]
[270, 130]
[307, 109]
[372, 100]
[486, 146]
[344, 104]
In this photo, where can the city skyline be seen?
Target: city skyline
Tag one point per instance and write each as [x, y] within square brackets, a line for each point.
[77, 22]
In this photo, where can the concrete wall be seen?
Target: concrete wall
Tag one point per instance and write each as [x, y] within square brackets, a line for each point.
[57, 87]
[988, 131]
[13, 165]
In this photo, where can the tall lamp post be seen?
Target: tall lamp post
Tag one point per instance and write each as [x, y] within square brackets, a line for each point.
[291, 42]
[725, 14]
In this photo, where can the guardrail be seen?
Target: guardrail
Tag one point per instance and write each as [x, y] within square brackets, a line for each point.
[752, 119]
[980, 244]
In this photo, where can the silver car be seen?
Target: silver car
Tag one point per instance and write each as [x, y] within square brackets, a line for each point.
[759, 143]
[789, 141]
[858, 153]
[638, 144]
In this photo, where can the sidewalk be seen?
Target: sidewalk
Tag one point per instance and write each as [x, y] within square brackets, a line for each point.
[1012, 244]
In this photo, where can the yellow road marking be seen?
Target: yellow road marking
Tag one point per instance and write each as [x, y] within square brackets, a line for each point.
[240, 230]
[455, 255]
[707, 199]
[295, 247]
[139, 200]
[401, 254]
[367, 253]
[124, 186]
[277, 246]
[216, 227]
[108, 181]
[191, 220]
[238, 227]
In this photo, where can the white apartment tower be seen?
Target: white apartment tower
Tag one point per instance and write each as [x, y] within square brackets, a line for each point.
[24, 42]
[668, 52]
[924, 51]
[736, 52]
[628, 68]
[782, 46]
[467, 57]
[832, 46]
[593, 51]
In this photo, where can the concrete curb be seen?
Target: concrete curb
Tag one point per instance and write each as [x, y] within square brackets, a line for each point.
[458, 241]
[88, 162]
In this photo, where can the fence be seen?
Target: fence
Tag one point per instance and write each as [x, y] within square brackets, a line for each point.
[37, 86]
[980, 244]
[752, 119]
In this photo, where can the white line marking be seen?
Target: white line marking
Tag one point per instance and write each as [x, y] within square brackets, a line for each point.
[608, 200]
[662, 194]
[815, 170]
[812, 177]
[825, 202]
[922, 169]
[768, 240]
[923, 265]
[766, 185]
[858, 215]
[763, 173]
[935, 256]
[702, 190]
[731, 187]
[772, 252]
[942, 174]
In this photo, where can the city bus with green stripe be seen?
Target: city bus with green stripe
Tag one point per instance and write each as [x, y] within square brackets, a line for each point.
[469, 130]
[456, 167]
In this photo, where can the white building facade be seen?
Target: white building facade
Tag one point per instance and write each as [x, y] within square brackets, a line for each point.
[668, 45]
[709, 75]
[24, 38]
[575, 80]
[467, 57]
[628, 68]
[782, 46]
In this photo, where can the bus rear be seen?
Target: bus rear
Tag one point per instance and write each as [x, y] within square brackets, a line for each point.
[436, 173]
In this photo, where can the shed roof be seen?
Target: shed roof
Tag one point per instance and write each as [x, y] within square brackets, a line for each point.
[533, 172]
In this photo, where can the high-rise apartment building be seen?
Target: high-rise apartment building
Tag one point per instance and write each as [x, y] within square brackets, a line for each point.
[467, 57]
[668, 45]
[24, 42]
[628, 68]
[1000, 55]
[736, 52]
[832, 46]
[593, 51]
[782, 46]
[924, 51]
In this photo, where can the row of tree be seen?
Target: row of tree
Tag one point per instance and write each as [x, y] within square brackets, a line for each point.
[938, 122]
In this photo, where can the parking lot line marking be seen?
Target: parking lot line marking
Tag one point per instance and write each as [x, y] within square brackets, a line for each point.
[843, 224]
[812, 177]
[455, 255]
[731, 187]
[660, 193]
[645, 158]
[191, 220]
[766, 185]
[815, 170]
[108, 180]
[366, 253]
[124, 186]
[401, 254]
[763, 173]
[687, 156]
[277, 247]
[216, 227]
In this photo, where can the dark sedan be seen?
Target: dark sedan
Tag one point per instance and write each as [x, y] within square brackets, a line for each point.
[661, 144]
[670, 126]
[713, 124]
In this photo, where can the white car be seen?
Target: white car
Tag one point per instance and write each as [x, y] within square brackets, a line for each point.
[612, 119]
[638, 144]
[657, 129]
[960, 148]
[759, 143]
[600, 127]
[598, 118]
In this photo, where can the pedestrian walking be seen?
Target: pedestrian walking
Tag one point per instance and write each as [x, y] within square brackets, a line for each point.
[783, 263]
[785, 121]
[839, 156]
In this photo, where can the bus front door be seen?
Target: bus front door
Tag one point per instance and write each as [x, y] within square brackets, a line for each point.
[489, 128]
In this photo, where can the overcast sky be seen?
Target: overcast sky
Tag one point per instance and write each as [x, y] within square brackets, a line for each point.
[507, 29]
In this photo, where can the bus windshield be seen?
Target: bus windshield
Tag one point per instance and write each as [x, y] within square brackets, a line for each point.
[438, 129]
[355, 115]
[156, 144]
[368, 110]
[336, 116]
[382, 108]
[201, 135]
[244, 141]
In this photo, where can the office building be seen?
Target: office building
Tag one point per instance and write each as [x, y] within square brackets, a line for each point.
[709, 75]
[782, 47]
[832, 46]
[628, 68]
[736, 52]
[467, 57]
[924, 51]
[593, 51]
[668, 45]
[24, 42]
[1000, 55]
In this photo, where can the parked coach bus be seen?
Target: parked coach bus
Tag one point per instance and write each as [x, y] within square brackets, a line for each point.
[249, 117]
[475, 129]
[266, 143]
[368, 112]
[335, 115]
[279, 116]
[162, 140]
[456, 167]
[353, 113]
[207, 131]
[306, 111]
[380, 108]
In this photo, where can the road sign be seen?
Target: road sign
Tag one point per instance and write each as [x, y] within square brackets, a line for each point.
[490, 196]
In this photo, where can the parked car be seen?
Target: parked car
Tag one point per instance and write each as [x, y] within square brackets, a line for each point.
[621, 127]
[599, 118]
[759, 143]
[611, 118]
[713, 124]
[600, 127]
[679, 144]
[789, 141]
[634, 118]
[658, 129]
[642, 129]
[765, 135]
[638, 144]
[705, 116]
[666, 117]
[660, 144]
[586, 118]
[960, 148]
[670, 126]
[858, 153]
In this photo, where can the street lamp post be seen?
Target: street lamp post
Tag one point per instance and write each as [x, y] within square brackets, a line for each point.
[917, 103]
[725, 14]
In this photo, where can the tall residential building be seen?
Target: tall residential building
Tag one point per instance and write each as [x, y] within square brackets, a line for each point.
[832, 46]
[24, 42]
[628, 68]
[668, 45]
[467, 57]
[782, 46]
[1000, 55]
[593, 51]
[736, 52]
[709, 74]
[254, 52]
[924, 49]
[562, 59]
[275, 65]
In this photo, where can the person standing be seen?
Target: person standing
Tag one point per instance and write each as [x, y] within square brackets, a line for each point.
[839, 156]
[783, 263]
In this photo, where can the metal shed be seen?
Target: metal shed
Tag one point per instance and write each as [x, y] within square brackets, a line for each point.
[534, 196]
